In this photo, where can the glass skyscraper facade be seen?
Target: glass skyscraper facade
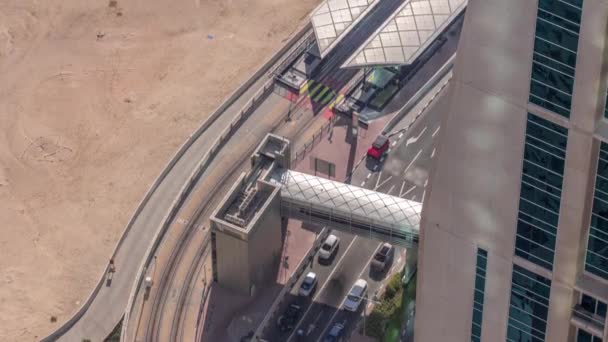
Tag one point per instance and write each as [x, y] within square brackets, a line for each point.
[522, 170]
[541, 189]
[478, 297]
[596, 260]
[555, 50]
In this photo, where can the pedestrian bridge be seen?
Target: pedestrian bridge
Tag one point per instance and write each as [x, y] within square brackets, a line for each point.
[246, 235]
[349, 208]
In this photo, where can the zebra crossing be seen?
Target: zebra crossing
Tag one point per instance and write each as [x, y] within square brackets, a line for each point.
[320, 93]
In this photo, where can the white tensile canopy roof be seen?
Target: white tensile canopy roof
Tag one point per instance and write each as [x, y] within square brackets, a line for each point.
[332, 19]
[353, 201]
[407, 33]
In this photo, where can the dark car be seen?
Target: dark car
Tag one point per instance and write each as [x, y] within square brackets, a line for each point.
[288, 319]
[383, 258]
[335, 333]
[379, 147]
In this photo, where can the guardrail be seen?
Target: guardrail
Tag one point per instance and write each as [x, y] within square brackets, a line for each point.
[187, 188]
[290, 284]
[226, 134]
[316, 138]
[230, 100]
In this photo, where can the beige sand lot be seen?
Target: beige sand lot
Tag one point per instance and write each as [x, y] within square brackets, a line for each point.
[95, 97]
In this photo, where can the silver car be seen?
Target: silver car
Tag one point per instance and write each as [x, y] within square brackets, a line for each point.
[308, 284]
[356, 295]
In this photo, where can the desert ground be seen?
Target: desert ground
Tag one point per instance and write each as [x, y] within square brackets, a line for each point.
[95, 98]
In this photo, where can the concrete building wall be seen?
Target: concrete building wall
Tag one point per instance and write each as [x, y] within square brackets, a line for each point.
[474, 190]
[232, 262]
[265, 245]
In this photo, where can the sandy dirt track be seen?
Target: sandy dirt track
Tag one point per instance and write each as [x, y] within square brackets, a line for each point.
[95, 97]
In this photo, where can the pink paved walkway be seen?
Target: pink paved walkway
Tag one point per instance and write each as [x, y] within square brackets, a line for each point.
[343, 144]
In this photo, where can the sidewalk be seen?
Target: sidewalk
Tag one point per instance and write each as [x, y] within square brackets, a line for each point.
[342, 144]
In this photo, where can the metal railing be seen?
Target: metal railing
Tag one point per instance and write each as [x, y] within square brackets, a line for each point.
[237, 121]
[316, 138]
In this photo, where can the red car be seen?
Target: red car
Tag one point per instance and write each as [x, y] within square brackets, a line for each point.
[379, 147]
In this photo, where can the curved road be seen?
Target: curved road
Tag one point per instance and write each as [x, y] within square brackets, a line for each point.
[109, 304]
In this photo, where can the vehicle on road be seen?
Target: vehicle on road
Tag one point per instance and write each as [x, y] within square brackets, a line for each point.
[379, 147]
[383, 258]
[328, 248]
[288, 319]
[356, 295]
[309, 284]
[335, 333]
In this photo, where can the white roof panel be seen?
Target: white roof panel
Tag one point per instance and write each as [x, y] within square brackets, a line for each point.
[407, 33]
[332, 19]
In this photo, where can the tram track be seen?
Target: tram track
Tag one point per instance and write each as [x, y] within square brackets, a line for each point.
[154, 330]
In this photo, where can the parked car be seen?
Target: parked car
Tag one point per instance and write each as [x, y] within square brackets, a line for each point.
[308, 284]
[356, 295]
[379, 147]
[335, 333]
[383, 258]
[328, 248]
[289, 318]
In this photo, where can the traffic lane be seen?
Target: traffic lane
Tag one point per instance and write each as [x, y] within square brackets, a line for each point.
[323, 272]
[405, 170]
[331, 296]
[375, 281]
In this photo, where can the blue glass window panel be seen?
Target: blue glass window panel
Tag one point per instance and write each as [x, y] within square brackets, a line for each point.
[480, 282]
[528, 308]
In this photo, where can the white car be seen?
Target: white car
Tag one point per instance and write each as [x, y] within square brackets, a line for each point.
[308, 284]
[328, 248]
[356, 295]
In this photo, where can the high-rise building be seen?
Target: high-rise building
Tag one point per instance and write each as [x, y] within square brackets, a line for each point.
[514, 232]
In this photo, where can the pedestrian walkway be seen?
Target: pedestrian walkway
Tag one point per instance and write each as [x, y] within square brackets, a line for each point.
[340, 149]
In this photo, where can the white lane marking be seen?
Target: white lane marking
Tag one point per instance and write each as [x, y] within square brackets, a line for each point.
[393, 143]
[344, 299]
[362, 184]
[368, 175]
[383, 182]
[426, 182]
[390, 189]
[433, 153]
[408, 191]
[322, 287]
[412, 162]
[435, 133]
[378, 180]
[414, 198]
[401, 191]
[375, 167]
[400, 136]
[414, 139]
[423, 193]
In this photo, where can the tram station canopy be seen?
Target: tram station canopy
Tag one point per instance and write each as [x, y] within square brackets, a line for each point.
[332, 19]
[407, 33]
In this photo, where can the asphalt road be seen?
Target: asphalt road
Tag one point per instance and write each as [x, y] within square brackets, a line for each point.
[405, 170]
[323, 308]
[109, 304]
